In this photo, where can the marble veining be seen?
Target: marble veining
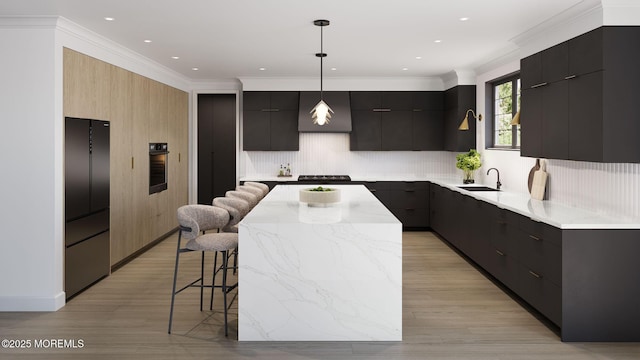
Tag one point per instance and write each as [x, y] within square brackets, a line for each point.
[337, 280]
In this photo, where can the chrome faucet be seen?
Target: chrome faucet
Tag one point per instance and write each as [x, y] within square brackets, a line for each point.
[498, 184]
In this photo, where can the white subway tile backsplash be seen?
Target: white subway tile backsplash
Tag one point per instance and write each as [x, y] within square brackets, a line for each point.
[322, 153]
[608, 189]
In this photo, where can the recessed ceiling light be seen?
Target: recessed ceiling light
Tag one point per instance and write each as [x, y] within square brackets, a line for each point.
[437, 41]
[262, 69]
[109, 18]
[464, 18]
[333, 69]
[147, 41]
[405, 69]
[418, 57]
[195, 69]
[175, 57]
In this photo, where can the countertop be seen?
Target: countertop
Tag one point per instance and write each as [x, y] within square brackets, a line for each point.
[547, 211]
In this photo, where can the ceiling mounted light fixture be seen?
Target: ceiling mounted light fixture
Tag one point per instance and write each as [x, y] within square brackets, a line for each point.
[321, 113]
[464, 125]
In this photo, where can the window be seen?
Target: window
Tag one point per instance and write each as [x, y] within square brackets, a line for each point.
[506, 103]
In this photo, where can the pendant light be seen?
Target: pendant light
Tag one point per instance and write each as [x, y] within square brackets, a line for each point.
[321, 113]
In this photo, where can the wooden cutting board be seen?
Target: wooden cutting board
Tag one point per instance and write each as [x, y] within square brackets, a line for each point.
[539, 183]
[535, 168]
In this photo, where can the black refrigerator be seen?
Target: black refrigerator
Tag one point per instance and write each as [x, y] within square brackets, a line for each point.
[87, 245]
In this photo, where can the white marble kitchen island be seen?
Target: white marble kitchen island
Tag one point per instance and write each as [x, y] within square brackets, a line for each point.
[320, 273]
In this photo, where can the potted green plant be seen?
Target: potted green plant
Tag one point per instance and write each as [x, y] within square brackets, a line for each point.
[468, 163]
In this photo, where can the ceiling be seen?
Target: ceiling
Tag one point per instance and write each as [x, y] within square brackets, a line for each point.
[367, 38]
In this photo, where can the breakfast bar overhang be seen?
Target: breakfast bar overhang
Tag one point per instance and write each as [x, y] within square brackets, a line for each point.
[320, 273]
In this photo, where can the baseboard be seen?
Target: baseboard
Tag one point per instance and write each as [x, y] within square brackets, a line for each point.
[32, 303]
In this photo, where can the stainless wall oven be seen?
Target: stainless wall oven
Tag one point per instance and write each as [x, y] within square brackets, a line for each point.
[158, 157]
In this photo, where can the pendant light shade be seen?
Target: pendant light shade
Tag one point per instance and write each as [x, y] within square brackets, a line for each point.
[321, 113]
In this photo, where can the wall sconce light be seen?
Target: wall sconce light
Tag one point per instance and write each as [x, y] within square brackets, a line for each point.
[516, 119]
[464, 125]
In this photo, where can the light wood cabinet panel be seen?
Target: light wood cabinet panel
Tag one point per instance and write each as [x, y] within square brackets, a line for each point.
[141, 101]
[122, 199]
[158, 112]
[140, 111]
[86, 92]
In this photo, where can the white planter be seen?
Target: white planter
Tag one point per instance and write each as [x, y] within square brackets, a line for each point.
[319, 197]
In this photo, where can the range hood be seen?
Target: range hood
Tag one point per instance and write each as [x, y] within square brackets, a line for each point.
[338, 101]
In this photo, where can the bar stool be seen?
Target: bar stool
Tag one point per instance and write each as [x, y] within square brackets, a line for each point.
[237, 209]
[261, 186]
[194, 220]
[246, 196]
[251, 189]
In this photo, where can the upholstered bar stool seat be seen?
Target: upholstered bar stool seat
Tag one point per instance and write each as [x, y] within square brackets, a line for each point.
[244, 195]
[261, 186]
[251, 189]
[237, 209]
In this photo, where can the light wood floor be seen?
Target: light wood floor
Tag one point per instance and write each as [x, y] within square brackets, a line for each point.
[451, 311]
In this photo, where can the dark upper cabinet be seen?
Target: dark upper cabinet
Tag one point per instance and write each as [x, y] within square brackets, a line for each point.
[555, 63]
[587, 98]
[531, 129]
[555, 121]
[270, 121]
[427, 131]
[365, 100]
[365, 130]
[256, 131]
[397, 120]
[396, 130]
[457, 101]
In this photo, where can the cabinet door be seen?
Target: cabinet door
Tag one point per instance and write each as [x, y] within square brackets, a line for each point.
[586, 117]
[256, 131]
[428, 100]
[585, 53]
[531, 122]
[428, 130]
[555, 63]
[284, 100]
[397, 100]
[396, 130]
[284, 130]
[366, 133]
[531, 71]
[256, 100]
[365, 100]
[555, 124]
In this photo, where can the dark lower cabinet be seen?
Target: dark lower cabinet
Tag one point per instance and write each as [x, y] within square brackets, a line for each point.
[408, 201]
[582, 280]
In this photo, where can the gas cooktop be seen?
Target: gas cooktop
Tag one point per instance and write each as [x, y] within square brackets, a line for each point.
[324, 178]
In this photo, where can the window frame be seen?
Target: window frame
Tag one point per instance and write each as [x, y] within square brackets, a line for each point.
[514, 109]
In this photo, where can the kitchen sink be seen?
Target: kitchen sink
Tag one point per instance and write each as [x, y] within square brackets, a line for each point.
[477, 188]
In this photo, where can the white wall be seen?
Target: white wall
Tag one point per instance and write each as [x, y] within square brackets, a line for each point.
[31, 211]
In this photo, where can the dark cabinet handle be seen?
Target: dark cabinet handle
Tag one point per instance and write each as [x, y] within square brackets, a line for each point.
[381, 110]
[417, 110]
[538, 85]
[270, 110]
[500, 222]
[535, 238]
[534, 274]
[372, 190]
[569, 77]
[500, 253]
[409, 190]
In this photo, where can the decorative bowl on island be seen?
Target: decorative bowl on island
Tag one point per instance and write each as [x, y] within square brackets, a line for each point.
[321, 196]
